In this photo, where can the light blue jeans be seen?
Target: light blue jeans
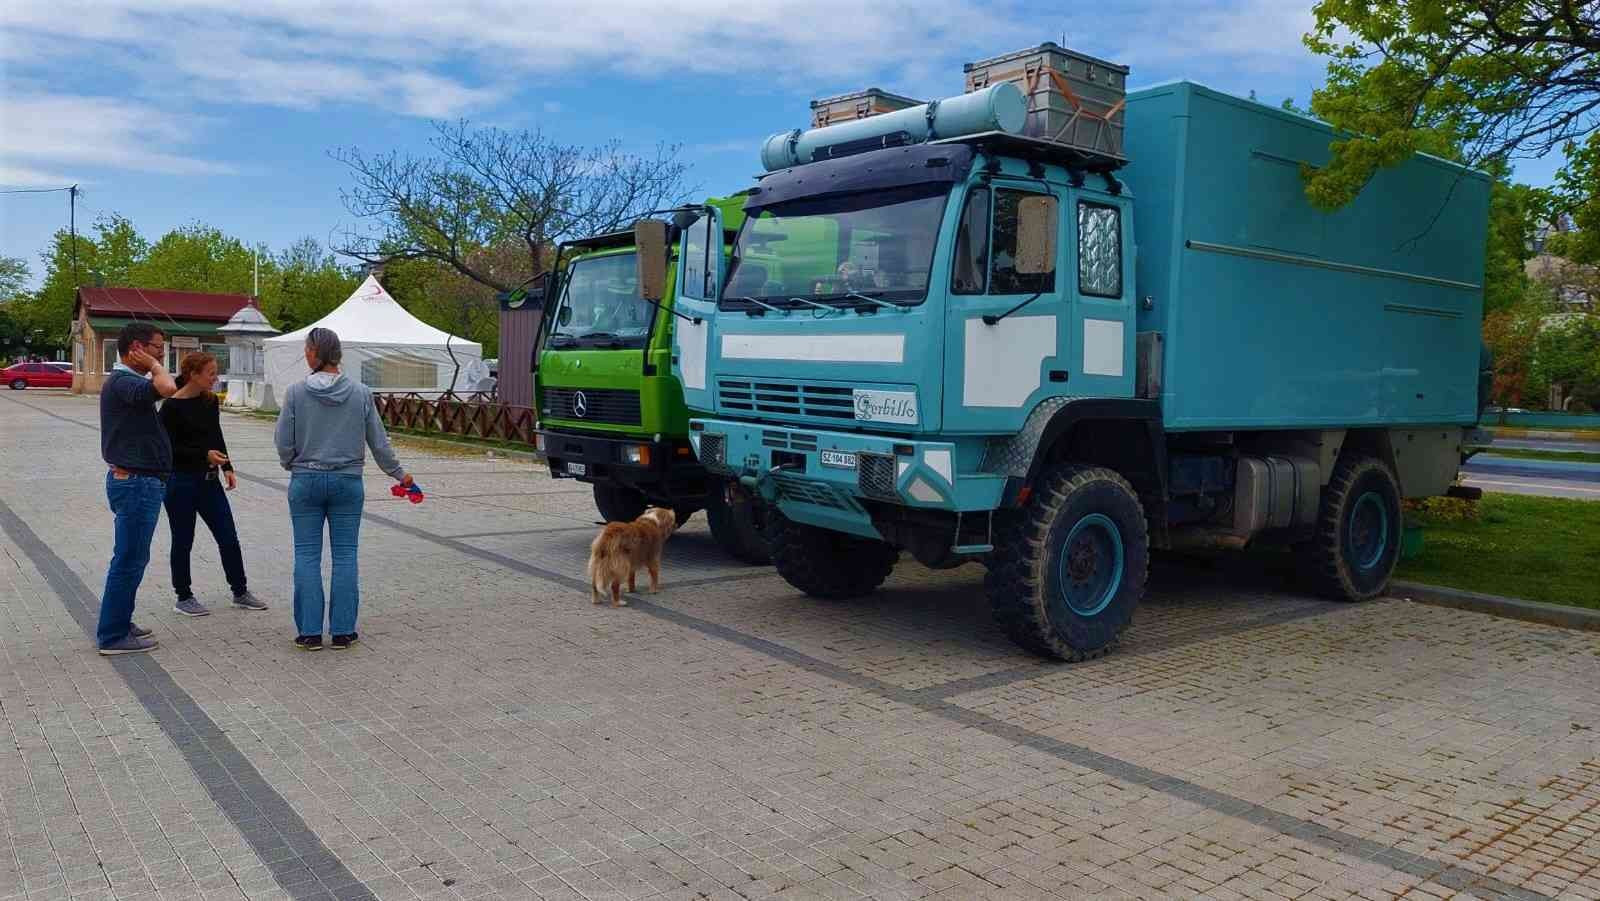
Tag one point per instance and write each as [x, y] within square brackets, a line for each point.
[336, 499]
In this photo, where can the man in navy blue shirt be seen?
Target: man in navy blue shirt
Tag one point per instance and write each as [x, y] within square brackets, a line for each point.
[139, 456]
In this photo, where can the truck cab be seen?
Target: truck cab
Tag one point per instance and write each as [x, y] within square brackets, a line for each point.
[991, 348]
[611, 409]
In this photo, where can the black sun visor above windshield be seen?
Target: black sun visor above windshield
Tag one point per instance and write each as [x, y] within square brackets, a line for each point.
[877, 170]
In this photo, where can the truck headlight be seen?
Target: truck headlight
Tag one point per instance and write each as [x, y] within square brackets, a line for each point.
[637, 454]
[538, 442]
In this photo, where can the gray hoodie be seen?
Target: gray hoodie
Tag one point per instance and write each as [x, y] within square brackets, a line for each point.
[325, 422]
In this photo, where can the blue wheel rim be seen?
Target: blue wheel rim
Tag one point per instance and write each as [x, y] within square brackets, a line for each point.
[1367, 537]
[1089, 566]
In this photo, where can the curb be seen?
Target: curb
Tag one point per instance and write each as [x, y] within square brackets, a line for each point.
[1510, 608]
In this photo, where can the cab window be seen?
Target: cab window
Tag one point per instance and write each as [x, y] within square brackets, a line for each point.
[1005, 275]
[1099, 250]
[971, 274]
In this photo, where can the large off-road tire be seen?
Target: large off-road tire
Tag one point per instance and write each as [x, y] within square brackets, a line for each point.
[617, 502]
[1069, 568]
[739, 526]
[827, 564]
[1357, 543]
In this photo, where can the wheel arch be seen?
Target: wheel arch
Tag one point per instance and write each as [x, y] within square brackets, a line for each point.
[1121, 434]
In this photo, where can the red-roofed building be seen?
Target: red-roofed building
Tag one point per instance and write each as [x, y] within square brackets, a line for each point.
[189, 319]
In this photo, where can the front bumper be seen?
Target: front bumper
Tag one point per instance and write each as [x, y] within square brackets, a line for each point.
[786, 465]
[669, 475]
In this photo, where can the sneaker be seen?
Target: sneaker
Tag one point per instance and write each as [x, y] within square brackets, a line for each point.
[138, 631]
[249, 601]
[342, 642]
[129, 645]
[190, 607]
[308, 642]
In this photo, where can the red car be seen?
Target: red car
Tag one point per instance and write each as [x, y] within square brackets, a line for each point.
[36, 375]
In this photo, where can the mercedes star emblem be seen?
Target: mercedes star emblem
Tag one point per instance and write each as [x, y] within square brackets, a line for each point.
[580, 405]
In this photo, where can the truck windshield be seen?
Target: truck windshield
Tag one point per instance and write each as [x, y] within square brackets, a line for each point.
[830, 248]
[600, 305]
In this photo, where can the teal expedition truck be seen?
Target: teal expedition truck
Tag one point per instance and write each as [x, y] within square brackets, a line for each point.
[611, 411]
[972, 339]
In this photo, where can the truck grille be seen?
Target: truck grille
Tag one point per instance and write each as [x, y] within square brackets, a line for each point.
[875, 474]
[607, 405]
[786, 399]
[795, 441]
[713, 450]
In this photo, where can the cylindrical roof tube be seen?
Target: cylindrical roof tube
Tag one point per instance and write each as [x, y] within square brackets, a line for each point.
[998, 107]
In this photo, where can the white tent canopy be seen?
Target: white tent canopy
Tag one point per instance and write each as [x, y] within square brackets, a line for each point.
[385, 348]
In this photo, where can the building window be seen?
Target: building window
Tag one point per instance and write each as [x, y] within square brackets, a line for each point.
[109, 347]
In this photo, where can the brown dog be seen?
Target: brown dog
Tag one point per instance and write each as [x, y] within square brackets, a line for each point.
[622, 547]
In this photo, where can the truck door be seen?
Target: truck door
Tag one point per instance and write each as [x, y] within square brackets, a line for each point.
[701, 266]
[1008, 334]
[1101, 285]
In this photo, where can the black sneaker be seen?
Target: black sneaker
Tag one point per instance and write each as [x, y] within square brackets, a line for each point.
[308, 642]
[343, 642]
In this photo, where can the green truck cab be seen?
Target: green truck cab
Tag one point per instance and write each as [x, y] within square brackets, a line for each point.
[611, 411]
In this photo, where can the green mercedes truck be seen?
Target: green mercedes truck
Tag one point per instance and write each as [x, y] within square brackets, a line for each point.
[611, 411]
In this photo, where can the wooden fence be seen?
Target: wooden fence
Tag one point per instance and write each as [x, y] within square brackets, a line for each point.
[475, 415]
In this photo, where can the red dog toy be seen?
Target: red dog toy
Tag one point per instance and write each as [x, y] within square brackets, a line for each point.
[412, 494]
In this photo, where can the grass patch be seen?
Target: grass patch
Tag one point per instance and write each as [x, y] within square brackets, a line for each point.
[1562, 456]
[1535, 548]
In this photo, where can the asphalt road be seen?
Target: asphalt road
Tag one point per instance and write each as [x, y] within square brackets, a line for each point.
[1550, 478]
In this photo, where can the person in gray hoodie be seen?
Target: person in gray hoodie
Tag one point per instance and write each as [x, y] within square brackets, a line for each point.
[328, 422]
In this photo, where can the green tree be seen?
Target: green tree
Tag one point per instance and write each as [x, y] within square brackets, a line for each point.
[1577, 194]
[13, 277]
[303, 284]
[1566, 356]
[1475, 80]
[1515, 211]
[196, 257]
[118, 249]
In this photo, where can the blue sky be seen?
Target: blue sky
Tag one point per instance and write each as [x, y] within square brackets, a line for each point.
[200, 110]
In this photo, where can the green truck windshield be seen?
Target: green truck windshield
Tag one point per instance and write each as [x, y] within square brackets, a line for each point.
[880, 244]
[601, 307]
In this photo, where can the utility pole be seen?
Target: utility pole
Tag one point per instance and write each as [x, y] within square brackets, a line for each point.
[72, 223]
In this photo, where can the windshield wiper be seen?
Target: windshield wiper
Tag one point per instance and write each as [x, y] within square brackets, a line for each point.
[767, 306]
[882, 303]
[992, 319]
[811, 303]
[563, 341]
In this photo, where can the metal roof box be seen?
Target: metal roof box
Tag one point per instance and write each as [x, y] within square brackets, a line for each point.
[857, 105]
[1074, 100]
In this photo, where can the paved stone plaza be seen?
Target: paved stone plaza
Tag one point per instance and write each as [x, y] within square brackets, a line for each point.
[495, 736]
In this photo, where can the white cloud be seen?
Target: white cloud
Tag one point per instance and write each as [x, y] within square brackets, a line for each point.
[63, 130]
[24, 177]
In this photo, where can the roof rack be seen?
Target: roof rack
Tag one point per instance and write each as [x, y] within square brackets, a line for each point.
[1040, 150]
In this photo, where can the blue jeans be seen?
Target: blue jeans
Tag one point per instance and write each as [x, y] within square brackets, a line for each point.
[189, 494]
[136, 503]
[316, 498]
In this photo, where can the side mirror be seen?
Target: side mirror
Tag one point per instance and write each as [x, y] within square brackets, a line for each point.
[650, 258]
[1036, 234]
[565, 316]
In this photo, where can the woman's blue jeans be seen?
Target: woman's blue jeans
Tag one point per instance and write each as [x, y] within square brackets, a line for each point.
[316, 498]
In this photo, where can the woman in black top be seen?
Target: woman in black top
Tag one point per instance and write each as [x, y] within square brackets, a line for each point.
[193, 420]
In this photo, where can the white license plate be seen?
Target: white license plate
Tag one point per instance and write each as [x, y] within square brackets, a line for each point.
[838, 459]
[577, 469]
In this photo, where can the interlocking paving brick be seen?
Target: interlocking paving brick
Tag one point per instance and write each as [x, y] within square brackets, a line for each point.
[736, 738]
